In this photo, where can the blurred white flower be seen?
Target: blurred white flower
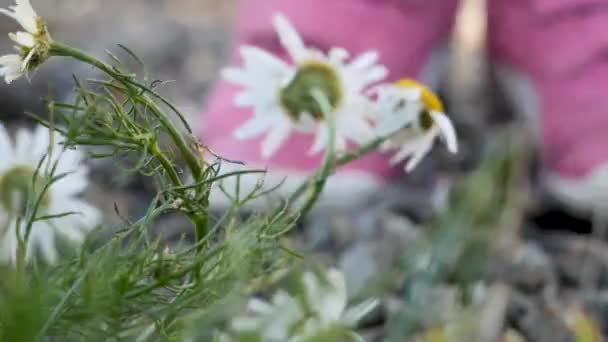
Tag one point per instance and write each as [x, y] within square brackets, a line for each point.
[327, 300]
[280, 92]
[320, 310]
[273, 320]
[32, 44]
[11, 67]
[66, 214]
[414, 116]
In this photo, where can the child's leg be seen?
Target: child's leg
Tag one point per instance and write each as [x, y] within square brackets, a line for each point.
[404, 32]
[560, 46]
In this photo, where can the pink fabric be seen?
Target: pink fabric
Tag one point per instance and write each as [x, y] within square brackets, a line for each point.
[404, 36]
[555, 6]
[563, 46]
[575, 117]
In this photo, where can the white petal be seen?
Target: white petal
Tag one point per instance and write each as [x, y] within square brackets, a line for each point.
[246, 324]
[289, 38]
[245, 99]
[26, 7]
[406, 149]
[236, 76]
[355, 128]
[321, 140]
[26, 16]
[259, 306]
[10, 67]
[422, 150]
[10, 60]
[393, 120]
[6, 148]
[11, 75]
[8, 243]
[356, 313]
[38, 146]
[42, 236]
[446, 130]
[86, 217]
[391, 92]
[389, 125]
[254, 127]
[312, 290]
[365, 60]
[275, 139]
[335, 297]
[8, 13]
[72, 185]
[23, 39]
[23, 142]
[340, 143]
[338, 56]
[256, 58]
[70, 159]
[376, 74]
[306, 123]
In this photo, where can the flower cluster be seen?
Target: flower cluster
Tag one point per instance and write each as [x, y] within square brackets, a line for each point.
[281, 94]
[36, 171]
[33, 44]
[319, 312]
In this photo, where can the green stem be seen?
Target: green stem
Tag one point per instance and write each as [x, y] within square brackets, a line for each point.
[166, 164]
[320, 178]
[201, 227]
[200, 221]
[341, 161]
[58, 49]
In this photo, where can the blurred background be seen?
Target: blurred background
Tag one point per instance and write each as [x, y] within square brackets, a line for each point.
[533, 282]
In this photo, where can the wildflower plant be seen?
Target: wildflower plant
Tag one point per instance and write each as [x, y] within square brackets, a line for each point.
[318, 312]
[279, 92]
[132, 287]
[50, 178]
[33, 44]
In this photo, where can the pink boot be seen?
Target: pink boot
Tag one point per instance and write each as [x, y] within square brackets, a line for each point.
[404, 33]
[561, 46]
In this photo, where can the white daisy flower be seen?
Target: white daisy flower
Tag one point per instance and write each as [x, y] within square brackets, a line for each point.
[280, 92]
[414, 116]
[272, 320]
[32, 44]
[17, 169]
[327, 300]
[321, 310]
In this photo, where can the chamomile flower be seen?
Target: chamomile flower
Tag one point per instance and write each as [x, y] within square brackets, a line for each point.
[273, 320]
[327, 303]
[61, 212]
[280, 93]
[320, 311]
[415, 117]
[32, 45]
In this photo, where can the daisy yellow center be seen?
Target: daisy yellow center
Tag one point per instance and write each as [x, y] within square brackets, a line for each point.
[15, 187]
[296, 97]
[428, 98]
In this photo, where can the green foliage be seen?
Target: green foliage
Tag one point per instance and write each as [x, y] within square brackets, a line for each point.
[132, 286]
[462, 239]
